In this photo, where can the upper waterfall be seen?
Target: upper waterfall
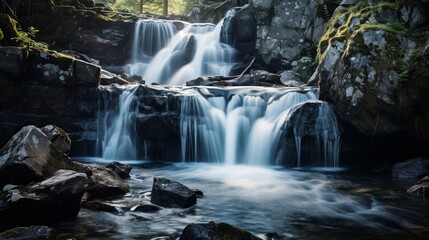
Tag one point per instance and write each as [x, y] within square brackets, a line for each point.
[192, 52]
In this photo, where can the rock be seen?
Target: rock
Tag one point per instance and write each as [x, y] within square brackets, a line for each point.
[199, 193]
[103, 182]
[146, 207]
[108, 78]
[212, 230]
[100, 206]
[242, 31]
[30, 156]
[32, 232]
[58, 137]
[123, 170]
[287, 31]
[168, 193]
[49, 68]
[421, 189]
[87, 74]
[56, 198]
[290, 79]
[412, 168]
[11, 60]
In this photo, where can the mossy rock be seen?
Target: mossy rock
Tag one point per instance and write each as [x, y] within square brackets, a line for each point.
[9, 28]
[49, 68]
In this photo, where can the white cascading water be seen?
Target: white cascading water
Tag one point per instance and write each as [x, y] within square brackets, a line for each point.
[150, 36]
[237, 128]
[116, 136]
[193, 52]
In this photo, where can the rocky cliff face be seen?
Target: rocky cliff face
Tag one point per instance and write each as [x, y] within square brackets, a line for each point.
[288, 31]
[373, 68]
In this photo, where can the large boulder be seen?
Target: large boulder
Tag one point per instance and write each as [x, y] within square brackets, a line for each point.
[215, 231]
[103, 182]
[413, 169]
[32, 232]
[30, 156]
[168, 193]
[368, 71]
[311, 124]
[56, 198]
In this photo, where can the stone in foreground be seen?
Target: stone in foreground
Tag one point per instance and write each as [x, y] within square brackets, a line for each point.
[30, 156]
[421, 189]
[32, 232]
[215, 231]
[168, 193]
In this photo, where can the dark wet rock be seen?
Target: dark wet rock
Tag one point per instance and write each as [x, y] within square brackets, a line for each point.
[199, 193]
[100, 206]
[58, 137]
[30, 156]
[108, 78]
[103, 182]
[11, 60]
[212, 230]
[242, 31]
[168, 193]
[146, 207]
[56, 198]
[27, 233]
[123, 170]
[49, 68]
[87, 74]
[413, 168]
[291, 79]
[421, 189]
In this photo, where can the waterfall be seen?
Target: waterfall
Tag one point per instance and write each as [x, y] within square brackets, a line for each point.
[115, 124]
[245, 126]
[150, 36]
[192, 52]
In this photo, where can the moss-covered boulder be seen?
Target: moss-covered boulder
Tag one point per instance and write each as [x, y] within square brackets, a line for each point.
[368, 67]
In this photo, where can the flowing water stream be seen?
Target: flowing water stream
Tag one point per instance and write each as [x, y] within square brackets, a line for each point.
[294, 204]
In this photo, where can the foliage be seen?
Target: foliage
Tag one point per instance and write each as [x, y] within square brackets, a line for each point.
[26, 39]
[176, 7]
[1, 35]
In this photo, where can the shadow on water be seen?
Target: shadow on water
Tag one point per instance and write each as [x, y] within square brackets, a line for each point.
[293, 203]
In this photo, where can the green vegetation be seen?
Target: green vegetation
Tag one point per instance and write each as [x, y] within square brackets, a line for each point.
[26, 39]
[175, 7]
[1, 35]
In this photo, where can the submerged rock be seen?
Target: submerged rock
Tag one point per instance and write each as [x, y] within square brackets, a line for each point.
[412, 168]
[32, 232]
[123, 170]
[168, 193]
[30, 156]
[215, 231]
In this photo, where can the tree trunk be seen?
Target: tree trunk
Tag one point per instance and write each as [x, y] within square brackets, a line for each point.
[165, 8]
[141, 6]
